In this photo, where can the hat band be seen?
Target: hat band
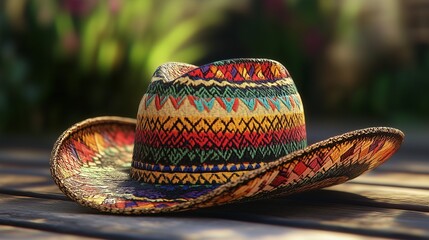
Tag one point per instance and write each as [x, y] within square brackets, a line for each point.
[184, 178]
[203, 174]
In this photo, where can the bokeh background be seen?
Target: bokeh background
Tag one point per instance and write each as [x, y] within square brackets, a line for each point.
[64, 61]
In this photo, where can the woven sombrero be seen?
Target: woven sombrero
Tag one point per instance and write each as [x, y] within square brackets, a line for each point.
[223, 132]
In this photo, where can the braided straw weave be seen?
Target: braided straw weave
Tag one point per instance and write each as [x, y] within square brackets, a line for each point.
[223, 132]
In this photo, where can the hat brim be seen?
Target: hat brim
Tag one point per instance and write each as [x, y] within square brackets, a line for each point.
[91, 164]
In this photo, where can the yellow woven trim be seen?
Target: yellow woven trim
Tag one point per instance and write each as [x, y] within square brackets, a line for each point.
[187, 108]
[216, 124]
[154, 177]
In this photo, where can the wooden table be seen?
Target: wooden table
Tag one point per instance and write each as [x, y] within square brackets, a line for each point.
[391, 202]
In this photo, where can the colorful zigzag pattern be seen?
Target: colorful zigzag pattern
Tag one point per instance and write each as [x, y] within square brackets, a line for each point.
[213, 122]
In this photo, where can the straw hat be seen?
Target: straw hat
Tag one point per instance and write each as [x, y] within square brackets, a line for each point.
[223, 132]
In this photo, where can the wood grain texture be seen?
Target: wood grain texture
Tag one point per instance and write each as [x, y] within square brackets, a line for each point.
[68, 217]
[12, 232]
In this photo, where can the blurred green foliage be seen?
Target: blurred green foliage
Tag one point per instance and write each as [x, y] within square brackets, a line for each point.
[63, 61]
[398, 93]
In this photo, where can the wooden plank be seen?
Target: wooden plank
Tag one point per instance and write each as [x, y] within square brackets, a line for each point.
[25, 181]
[369, 195]
[395, 179]
[25, 156]
[406, 164]
[29, 181]
[68, 217]
[12, 232]
[337, 218]
[333, 216]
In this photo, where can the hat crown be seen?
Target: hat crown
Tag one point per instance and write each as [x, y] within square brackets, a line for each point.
[211, 124]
